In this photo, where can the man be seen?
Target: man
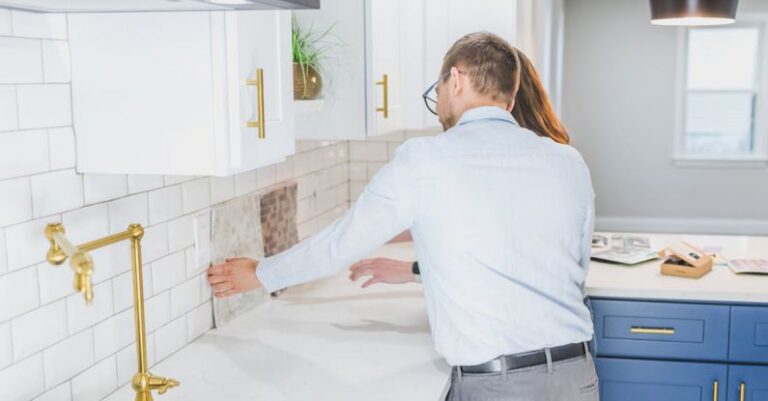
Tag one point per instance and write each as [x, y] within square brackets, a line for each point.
[501, 218]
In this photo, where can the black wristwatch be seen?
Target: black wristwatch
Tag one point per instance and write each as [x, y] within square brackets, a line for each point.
[416, 272]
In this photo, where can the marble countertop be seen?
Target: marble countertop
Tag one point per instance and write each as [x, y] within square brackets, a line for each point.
[333, 340]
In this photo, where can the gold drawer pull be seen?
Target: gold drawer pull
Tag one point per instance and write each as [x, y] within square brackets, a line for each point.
[652, 330]
[742, 391]
[715, 388]
[385, 84]
[259, 84]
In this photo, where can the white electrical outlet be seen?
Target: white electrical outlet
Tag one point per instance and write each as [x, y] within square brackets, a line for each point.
[203, 240]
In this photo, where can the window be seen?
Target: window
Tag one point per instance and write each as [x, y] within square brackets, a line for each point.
[722, 93]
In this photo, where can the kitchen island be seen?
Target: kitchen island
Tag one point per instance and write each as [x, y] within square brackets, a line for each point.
[333, 340]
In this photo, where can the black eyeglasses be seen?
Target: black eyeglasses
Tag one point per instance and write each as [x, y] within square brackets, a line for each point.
[430, 95]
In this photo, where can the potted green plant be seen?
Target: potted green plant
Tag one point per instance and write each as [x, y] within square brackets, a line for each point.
[308, 52]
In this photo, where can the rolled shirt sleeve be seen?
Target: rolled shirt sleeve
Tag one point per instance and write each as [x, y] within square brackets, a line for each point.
[386, 207]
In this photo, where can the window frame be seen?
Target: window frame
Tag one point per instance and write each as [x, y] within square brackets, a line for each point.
[759, 157]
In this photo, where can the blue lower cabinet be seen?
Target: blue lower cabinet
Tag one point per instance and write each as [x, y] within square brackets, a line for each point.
[747, 383]
[645, 380]
[749, 334]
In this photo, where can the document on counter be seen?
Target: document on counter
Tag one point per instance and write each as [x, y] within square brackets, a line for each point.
[625, 256]
[749, 266]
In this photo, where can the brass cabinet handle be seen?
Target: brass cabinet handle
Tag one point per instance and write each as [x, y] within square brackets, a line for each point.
[259, 84]
[385, 84]
[715, 388]
[652, 330]
[742, 391]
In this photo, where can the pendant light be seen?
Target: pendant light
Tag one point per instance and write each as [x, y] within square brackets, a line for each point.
[693, 12]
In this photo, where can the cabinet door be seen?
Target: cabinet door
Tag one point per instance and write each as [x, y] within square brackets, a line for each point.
[142, 93]
[747, 383]
[446, 21]
[749, 334]
[643, 380]
[259, 40]
[385, 109]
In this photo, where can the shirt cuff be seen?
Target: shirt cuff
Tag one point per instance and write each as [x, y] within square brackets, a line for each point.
[266, 274]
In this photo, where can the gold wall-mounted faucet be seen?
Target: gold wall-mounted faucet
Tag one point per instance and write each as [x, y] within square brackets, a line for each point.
[143, 382]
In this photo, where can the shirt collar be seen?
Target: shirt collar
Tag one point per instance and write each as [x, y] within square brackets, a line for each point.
[486, 113]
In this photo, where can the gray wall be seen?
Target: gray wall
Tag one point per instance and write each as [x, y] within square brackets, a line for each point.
[619, 79]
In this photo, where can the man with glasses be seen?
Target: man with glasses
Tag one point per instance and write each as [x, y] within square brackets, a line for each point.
[501, 218]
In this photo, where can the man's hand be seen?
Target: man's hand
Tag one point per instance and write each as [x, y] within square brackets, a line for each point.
[383, 270]
[233, 277]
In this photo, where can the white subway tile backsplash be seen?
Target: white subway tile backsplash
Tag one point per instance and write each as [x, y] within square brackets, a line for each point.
[104, 187]
[33, 145]
[110, 261]
[18, 293]
[16, 201]
[44, 105]
[196, 195]
[129, 210]
[68, 358]
[154, 245]
[96, 382]
[181, 233]
[368, 151]
[170, 338]
[26, 243]
[284, 170]
[165, 204]
[374, 168]
[8, 112]
[5, 22]
[114, 334]
[24, 380]
[265, 176]
[185, 297]
[56, 61]
[358, 171]
[245, 182]
[38, 330]
[222, 189]
[39, 25]
[55, 282]
[177, 179]
[141, 183]
[61, 142]
[21, 60]
[60, 393]
[81, 315]
[6, 345]
[3, 253]
[168, 271]
[86, 224]
[199, 320]
[158, 311]
[122, 289]
[56, 192]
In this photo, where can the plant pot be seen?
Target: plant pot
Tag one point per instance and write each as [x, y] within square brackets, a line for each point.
[307, 82]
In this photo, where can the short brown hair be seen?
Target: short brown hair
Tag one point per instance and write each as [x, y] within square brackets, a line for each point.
[497, 69]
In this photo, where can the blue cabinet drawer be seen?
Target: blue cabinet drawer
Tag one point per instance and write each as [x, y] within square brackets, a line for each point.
[661, 330]
[640, 380]
[751, 381]
[749, 334]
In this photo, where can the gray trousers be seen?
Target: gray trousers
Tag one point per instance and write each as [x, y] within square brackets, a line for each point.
[567, 380]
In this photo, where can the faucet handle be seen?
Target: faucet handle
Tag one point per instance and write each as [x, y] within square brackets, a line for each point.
[83, 266]
[162, 384]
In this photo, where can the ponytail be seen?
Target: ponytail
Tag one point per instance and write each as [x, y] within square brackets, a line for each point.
[533, 109]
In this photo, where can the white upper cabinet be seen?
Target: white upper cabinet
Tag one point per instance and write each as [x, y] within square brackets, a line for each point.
[179, 93]
[362, 69]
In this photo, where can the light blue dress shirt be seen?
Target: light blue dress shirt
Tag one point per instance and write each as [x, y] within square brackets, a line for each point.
[502, 224]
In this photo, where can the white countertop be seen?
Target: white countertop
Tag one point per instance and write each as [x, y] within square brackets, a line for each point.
[333, 340]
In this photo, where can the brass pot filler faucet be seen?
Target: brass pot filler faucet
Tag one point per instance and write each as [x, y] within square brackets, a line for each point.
[61, 248]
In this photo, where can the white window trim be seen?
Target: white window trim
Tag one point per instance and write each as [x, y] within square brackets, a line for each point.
[760, 157]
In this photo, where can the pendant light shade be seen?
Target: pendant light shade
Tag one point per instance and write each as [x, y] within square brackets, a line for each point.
[693, 12]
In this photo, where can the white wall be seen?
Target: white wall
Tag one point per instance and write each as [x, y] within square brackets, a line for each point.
[52, 346]
[619, 80]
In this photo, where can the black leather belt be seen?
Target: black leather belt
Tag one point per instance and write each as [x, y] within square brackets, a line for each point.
[527, 359]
